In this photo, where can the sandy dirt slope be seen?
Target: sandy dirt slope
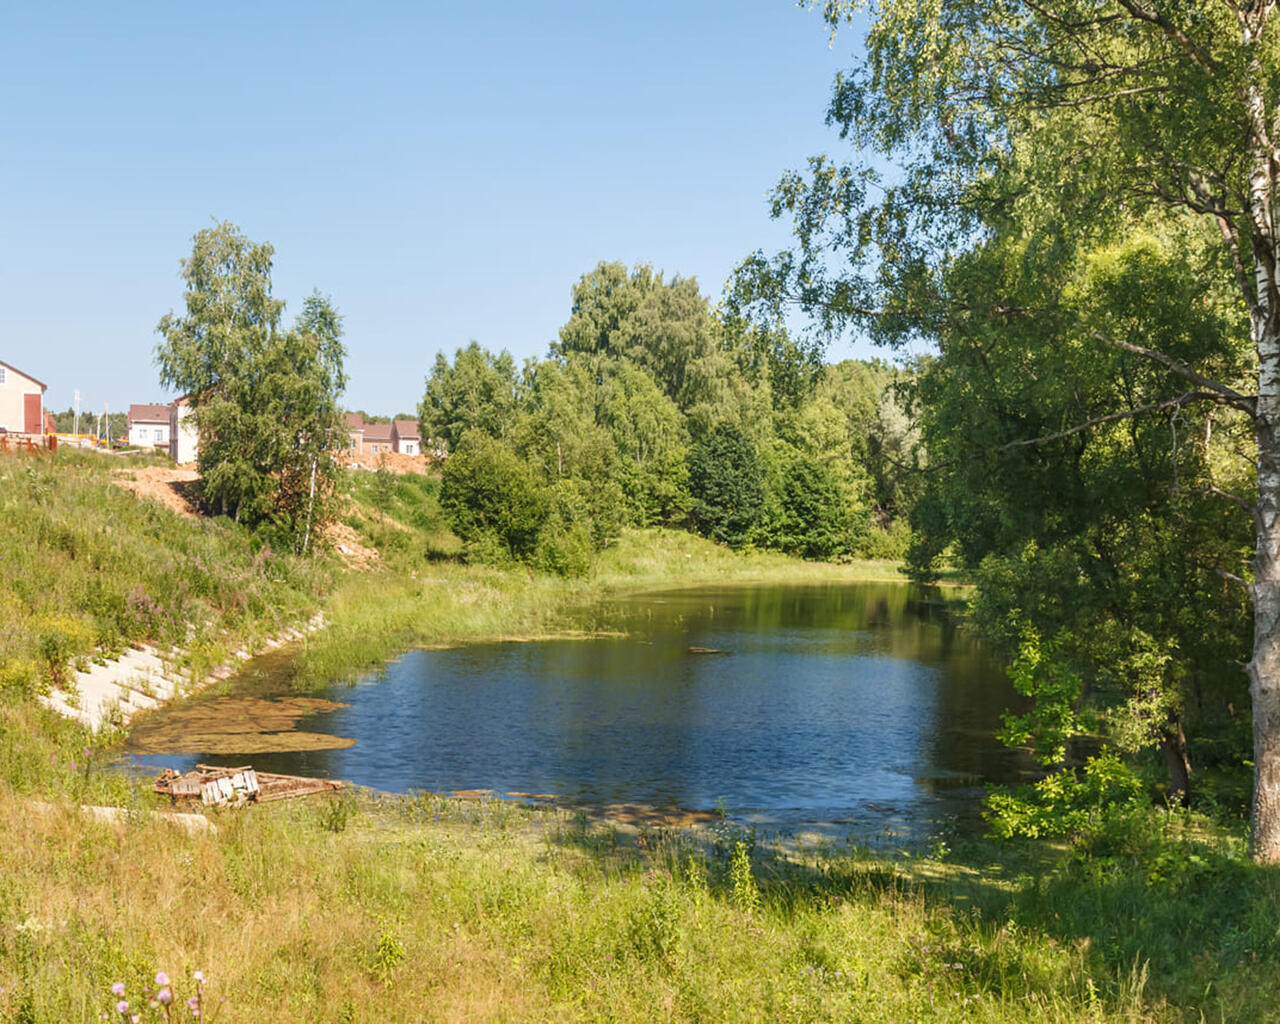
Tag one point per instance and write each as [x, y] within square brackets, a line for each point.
[170, 485]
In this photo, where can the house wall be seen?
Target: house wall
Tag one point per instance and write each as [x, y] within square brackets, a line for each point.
[12, 405]
[149, 434]
[184, 439]
[408, 447]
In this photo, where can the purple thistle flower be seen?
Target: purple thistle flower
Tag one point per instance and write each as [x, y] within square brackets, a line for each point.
[162, 979]
[122, 1007]
[164, 996]
[117, 989]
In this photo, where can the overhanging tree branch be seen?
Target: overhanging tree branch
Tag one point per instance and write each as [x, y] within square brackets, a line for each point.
[1229, 396]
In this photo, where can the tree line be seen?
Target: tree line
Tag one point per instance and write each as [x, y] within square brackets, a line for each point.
[653, 409]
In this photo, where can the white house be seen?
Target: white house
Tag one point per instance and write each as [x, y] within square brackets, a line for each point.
[149, 426]
[404, 436]
[21, 401]
[184, 438]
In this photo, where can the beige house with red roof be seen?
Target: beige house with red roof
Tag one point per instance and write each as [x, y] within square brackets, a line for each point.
[21, 401]
[377, 438]
[372, 438]
[149, 426]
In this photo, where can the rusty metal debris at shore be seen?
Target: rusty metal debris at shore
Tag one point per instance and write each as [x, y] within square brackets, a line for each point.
[215, 786]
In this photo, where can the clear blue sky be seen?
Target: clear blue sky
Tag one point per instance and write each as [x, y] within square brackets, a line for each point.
[443, 171]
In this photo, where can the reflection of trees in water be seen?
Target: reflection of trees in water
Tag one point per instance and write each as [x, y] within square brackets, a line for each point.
[613, 718]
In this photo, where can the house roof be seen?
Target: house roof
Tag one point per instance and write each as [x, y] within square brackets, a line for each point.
[148, 414]
[407, 429]
[43, 385]
[355, 421]
[377, 431]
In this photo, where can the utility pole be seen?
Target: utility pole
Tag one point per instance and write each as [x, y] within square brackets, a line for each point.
[106, 423]
[76, 421]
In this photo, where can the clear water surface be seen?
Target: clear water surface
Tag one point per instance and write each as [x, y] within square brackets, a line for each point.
[839, 708]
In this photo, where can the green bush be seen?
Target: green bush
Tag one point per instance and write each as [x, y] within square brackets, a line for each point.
[487, 490]
[888, 543]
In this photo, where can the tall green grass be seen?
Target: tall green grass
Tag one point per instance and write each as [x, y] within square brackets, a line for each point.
[89, 568]
[430, 909]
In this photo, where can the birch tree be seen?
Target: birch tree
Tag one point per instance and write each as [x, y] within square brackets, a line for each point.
[265, 399]
[1067, 116]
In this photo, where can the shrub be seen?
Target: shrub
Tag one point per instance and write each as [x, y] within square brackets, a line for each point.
[488, 490]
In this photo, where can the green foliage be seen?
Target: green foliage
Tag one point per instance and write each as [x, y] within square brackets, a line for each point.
[59, 638]
[1089, 806]
[643, 382]
[265, 400]
[115, 570]
[815, 515]
[477, 391]
[727, 485]
[742, 883]
[489, 495]
[1054, 688]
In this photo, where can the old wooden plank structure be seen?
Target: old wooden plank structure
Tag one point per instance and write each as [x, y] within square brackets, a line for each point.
[219, 786]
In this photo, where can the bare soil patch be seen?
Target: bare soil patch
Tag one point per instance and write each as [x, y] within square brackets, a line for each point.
[172, 486]
[392, 461]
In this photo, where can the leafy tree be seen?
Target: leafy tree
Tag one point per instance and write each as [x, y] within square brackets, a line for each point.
[727, 485]
[478, 391]
[1057, 127]
[264, 399]
[490, 496]
[651, 443]
[815, 515]
[557, 430]
[666, 329]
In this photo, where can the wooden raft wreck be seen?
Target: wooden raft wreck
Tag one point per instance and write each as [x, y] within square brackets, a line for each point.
[212, 785]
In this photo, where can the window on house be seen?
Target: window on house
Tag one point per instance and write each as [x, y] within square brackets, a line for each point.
[3, 371]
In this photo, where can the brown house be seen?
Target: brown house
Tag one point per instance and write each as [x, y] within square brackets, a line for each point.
[377, 438]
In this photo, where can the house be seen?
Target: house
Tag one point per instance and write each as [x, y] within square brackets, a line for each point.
[355, 431]
[377, 438]
[21, 401]
[149, 426]
[184, 439]
[404, 437]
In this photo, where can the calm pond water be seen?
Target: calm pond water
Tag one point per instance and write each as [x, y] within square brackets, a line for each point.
[845, 708]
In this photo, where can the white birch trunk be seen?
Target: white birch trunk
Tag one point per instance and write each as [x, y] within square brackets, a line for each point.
[1264, 667]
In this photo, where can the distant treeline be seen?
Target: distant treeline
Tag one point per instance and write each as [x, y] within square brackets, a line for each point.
[652, 409]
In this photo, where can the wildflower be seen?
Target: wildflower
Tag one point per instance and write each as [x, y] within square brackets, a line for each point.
[122, 1007]
[199, 975]
[162, 979]
[165, 996]
[117, 989]
[193, 1004]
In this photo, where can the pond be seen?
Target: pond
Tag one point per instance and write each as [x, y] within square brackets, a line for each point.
[853, 709]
